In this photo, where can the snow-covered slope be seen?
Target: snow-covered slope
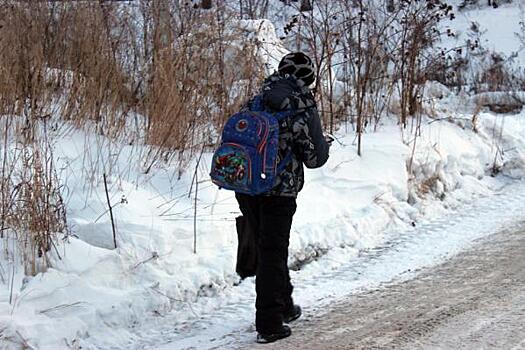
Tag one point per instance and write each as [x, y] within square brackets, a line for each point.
[498, 27]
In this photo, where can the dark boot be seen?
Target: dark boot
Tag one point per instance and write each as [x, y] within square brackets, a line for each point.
[293, 314]
[284, 332]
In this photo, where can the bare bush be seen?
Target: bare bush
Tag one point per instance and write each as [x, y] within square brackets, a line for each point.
[32, 206]
[104, 62]
[155, 74]
[413, 50]
[372, 47]
[193, 77]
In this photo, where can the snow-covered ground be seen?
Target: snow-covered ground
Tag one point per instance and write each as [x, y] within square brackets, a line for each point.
[342, 273]
[155, 290]
[498, 27]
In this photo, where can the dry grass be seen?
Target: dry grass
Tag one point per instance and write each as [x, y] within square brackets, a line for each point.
[426, 186]
[32, 207]
[156, 74]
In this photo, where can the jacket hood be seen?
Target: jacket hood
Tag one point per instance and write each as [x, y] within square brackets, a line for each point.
[284, 92]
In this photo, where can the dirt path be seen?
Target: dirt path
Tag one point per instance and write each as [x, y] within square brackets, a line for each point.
[476, 300]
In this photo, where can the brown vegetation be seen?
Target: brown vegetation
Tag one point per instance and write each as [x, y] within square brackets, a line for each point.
[164, 75]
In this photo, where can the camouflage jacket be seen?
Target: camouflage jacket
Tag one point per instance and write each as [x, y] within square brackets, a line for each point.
[301, 134]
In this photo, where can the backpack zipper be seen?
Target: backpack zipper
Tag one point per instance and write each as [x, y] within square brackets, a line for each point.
[266, 131]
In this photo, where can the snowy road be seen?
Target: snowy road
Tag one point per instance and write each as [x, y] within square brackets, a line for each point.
[389, 296]
[475, 300]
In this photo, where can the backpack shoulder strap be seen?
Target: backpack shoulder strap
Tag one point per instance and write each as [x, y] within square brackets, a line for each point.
[256, 104]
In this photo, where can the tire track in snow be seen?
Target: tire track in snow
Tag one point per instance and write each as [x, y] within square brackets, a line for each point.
[475, 300]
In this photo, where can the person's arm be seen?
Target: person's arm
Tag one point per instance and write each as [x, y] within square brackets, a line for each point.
[310, 144]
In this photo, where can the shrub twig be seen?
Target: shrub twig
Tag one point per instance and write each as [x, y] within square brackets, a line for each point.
[110, 211]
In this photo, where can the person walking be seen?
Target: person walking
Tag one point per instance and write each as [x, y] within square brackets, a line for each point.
[270, 214]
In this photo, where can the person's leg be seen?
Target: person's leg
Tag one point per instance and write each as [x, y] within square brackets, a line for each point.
[287, 294]
[273, 285]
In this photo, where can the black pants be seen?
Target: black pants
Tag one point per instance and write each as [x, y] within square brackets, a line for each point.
[271, 218]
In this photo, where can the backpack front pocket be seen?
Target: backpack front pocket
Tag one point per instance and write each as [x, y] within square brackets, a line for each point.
[232, 167]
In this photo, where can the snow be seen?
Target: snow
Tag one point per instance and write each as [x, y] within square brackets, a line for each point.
[345, 272]
[498, 26]
[269, 47]
[154, 289]
[102, 298]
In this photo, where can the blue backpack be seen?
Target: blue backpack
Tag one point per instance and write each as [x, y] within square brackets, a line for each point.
[246, 160]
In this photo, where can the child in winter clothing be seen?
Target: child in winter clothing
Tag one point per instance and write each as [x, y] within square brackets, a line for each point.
[270, 214]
